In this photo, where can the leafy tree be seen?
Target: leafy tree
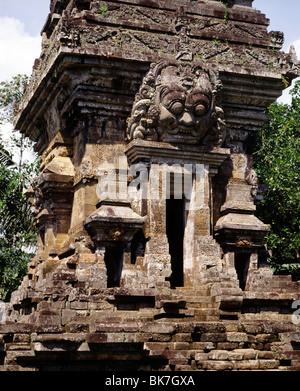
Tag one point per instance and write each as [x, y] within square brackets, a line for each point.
[17, 232]
[16, 226]
[11, 93]
[277, 163]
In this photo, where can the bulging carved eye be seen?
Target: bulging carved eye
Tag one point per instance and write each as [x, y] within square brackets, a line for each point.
[200, 110]
[176, 108]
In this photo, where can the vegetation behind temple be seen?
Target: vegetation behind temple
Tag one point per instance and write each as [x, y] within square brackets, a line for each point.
[17, 232]
[277, 163]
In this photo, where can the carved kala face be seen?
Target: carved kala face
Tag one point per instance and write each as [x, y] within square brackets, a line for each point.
[185, 116]
[177, 104]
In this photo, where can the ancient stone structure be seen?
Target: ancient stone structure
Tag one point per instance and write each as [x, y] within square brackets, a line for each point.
[149, 252]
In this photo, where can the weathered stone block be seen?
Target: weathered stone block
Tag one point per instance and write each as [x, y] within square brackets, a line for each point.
[53, 346]
[77, 327]
[236, 337]
[79, 305]
[21, 338]
[102, 305]
[215, 365]
[64, 337]
[16, 328]
[235, 356]
[161, 337]
[67, 316]
[178, 361]
[180, 345]
[248, 354]
[205, 346]
[268, 364]
[17, 346]
[158, 328]
[97, 338]
[213, 337]
[182, 337]
[264, 338]
[266, 355]
[48, 328]
[227, 345]
[252, 328]
[182, 367]
[156, 345]
[220, 355]
[246, 365]
[201, 357]
[12, 356]
[210, 327]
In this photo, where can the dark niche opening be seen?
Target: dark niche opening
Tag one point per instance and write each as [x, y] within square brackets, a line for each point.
[175, 224]
[242, 262]
[42, 236]
[138, 245]
[113, 258]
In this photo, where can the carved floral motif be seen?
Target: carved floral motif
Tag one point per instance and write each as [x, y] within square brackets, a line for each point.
[178, 103]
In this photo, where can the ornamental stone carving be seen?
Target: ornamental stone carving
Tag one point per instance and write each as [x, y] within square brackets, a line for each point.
[178, 103]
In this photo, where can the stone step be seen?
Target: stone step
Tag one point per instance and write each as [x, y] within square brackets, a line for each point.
[206, 314]
[201, 305]
[295, 365]
[205, 291]
[199, 299]
[174, 313]
[207, 311]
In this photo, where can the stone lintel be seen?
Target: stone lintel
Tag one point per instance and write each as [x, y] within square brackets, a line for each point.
[160, 153]
[244, 231]
[237, 221]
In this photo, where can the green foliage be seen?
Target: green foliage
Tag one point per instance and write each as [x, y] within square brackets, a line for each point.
[17, 232]
[277, 163]
[13, 267]
[5, 156]
[11, 92]
[15, 218]
[103, 9]
[225, 19]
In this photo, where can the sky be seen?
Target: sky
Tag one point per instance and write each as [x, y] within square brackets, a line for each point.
[21, 22]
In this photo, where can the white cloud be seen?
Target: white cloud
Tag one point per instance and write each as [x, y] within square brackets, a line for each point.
[6, 131]
[18, 49]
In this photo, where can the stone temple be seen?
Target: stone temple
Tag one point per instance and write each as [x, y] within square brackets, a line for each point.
[150, 255]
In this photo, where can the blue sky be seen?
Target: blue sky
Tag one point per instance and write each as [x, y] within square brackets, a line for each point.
[284, 16]
[21, 22]
[32, 13]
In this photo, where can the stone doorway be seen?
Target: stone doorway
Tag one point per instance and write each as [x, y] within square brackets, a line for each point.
[113, 258]
[175, 225]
